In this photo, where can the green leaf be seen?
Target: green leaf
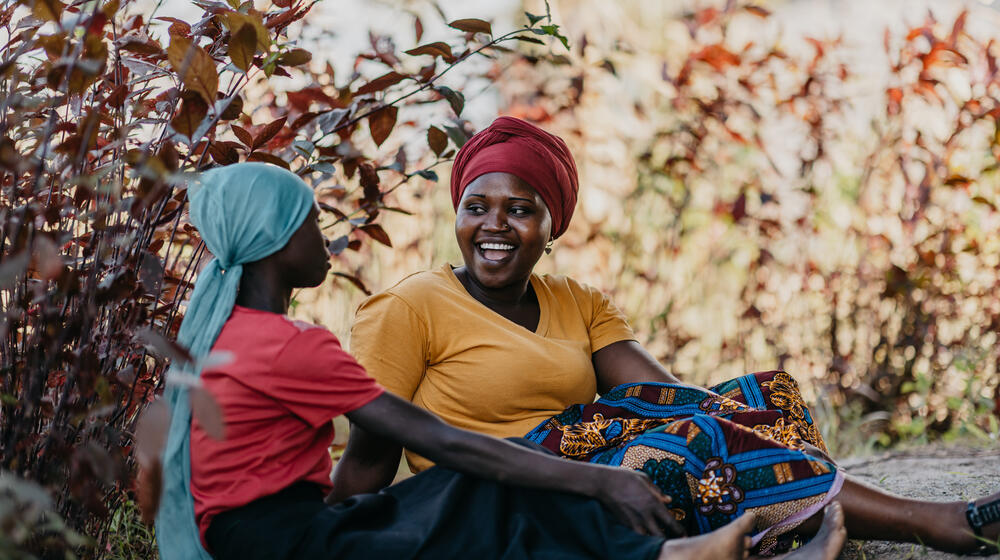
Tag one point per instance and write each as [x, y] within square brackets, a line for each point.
[455, 98]
[533, 19]
[553, 30]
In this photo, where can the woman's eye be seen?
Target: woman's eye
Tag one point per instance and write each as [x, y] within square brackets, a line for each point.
[475, 209]
[520, 211]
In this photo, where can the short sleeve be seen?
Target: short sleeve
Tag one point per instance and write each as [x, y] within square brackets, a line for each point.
[608, 324]
[390, 340]
[317, 380]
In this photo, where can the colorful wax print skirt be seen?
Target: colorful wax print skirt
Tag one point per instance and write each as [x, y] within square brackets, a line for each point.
[738, 447]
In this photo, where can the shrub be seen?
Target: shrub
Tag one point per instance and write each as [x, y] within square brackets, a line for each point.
[773, 220]
[102, 122]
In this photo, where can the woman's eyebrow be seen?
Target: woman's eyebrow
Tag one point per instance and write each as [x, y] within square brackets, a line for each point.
[483, 196]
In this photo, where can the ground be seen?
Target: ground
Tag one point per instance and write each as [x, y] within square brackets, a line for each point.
[937, 473]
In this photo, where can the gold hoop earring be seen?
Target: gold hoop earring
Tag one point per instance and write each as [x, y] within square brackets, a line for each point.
[548, 247]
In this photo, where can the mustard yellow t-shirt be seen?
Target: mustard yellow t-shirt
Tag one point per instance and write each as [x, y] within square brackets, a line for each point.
[430, 342]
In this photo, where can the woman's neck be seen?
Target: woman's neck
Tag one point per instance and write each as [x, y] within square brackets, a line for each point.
[261, 289]
[513, 295]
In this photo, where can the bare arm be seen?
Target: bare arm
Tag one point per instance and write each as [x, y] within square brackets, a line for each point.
[628, 362]
[629, 494]
[369, 464]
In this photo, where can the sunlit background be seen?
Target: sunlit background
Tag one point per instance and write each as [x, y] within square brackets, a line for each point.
[772, 211]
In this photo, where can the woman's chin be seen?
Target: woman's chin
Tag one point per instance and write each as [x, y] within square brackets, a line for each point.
[314, 279]
[492, 279]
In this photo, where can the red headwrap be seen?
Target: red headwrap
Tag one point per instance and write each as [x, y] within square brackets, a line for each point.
[522, 149]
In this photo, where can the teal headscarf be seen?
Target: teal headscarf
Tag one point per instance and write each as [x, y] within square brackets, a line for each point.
[244, 213]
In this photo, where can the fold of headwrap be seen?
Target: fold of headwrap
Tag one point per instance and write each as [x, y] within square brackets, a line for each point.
[522, 149]
[244, 213]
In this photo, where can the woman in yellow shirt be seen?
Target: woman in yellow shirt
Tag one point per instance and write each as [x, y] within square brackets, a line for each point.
[494, 348]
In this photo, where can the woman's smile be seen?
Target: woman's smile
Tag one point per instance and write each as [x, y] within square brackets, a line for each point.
[501, 228]
[498, 252]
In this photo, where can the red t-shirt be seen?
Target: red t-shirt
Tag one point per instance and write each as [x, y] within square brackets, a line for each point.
[285, 383]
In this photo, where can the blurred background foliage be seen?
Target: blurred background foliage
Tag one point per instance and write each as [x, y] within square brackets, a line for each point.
[803, 184]
[765, 185]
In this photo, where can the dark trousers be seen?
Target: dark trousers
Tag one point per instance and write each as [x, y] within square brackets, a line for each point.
[437, 514]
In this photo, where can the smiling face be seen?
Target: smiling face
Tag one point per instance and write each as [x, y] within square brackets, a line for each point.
[305, 260]
[502, 227]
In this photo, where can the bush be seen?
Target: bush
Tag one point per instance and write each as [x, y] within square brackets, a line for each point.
[771, 220]
[102, 123]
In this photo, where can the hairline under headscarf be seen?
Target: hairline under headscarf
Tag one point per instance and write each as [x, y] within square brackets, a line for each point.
[539, 158]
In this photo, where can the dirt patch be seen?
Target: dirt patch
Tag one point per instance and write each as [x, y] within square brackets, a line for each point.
[936, 473]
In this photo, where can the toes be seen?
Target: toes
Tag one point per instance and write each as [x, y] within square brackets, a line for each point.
[833, 516]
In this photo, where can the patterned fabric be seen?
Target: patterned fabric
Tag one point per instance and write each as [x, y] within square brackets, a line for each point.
[719, 454]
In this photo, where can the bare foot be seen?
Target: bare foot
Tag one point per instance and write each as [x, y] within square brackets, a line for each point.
[729, 542]
[827, 542]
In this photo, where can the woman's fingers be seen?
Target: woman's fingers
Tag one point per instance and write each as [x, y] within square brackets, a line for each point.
[664, 518]
[670, 524]
[652, 526]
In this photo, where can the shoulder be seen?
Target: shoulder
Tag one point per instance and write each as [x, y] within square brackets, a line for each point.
[303, 335]
[264, 327]
[420, 293]
[423, 285]
[313, 351]
[565, 287]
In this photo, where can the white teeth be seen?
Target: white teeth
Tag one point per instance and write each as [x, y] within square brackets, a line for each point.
[496, 246]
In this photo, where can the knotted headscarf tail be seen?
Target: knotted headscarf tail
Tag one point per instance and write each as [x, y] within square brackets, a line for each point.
[244, 213]
[520, 148]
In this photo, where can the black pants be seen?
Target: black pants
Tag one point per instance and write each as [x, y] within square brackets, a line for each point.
[438, 514]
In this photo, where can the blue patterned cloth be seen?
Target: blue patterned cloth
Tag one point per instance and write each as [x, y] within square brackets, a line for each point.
[719, 454]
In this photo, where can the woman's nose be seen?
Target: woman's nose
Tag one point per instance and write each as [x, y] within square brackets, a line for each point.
[496, 221]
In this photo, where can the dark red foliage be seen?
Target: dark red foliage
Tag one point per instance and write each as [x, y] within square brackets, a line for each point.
[96, 253]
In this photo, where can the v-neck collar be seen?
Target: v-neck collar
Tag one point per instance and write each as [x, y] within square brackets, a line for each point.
[540, 294]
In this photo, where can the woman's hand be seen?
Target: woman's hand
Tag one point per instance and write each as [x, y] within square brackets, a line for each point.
[639, 504]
